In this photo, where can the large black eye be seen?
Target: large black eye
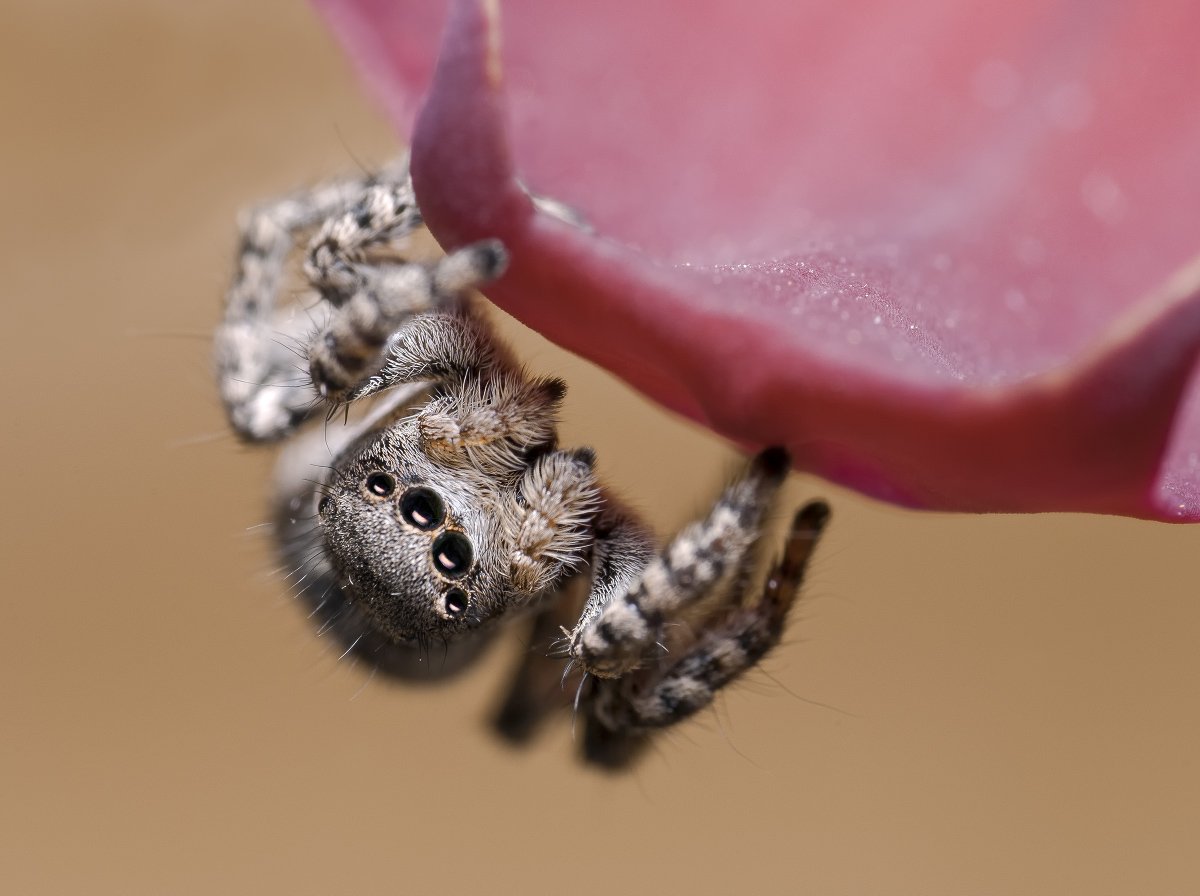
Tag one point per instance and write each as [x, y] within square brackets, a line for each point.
[455, 602]
[452, 554]
[381, 485]
[421, 507]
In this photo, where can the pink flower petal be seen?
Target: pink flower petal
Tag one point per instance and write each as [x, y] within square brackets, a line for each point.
[947, 254]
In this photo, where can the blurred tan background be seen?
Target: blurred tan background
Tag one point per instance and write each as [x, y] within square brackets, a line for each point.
[1014, 700]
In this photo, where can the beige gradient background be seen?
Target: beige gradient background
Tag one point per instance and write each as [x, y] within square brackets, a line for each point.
[1015, 699]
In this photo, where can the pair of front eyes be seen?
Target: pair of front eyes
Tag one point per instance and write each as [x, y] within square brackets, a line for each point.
[423, 508]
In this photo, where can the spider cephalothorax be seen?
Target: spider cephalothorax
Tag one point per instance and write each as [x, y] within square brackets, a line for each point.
[450, 506]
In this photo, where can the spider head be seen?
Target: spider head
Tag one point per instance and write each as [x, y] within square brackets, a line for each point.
[413, 552]
[431, 551]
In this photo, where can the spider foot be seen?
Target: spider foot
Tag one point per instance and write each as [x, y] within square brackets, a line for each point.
[702, 570]
[621, 712]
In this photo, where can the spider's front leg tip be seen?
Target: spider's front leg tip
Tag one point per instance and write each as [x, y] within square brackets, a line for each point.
[611, 751]
[471, 267]
[773, 462]
[331, 382]
[516, 721]
[554, 389]
[491, 259]
[812, 518]
[585, 457]
[807, 525]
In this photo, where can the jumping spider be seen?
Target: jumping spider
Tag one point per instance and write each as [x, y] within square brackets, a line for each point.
[449, 504]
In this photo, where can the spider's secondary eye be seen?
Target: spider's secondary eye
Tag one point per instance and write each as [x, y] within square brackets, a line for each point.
[324, 504]
[452, 554]
[421, 507]
[381, 485]
[455, 602]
